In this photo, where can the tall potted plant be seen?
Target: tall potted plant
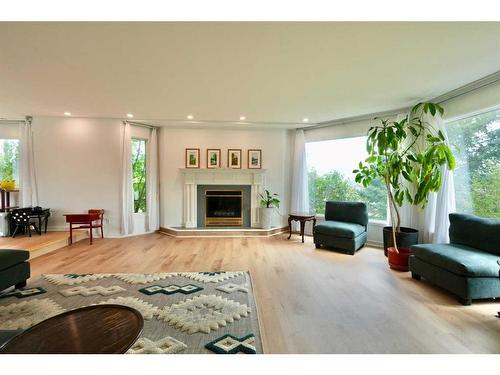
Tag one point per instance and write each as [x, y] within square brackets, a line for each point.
[407, 156]
[268, 202]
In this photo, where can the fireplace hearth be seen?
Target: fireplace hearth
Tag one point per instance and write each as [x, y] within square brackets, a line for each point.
[223, 208]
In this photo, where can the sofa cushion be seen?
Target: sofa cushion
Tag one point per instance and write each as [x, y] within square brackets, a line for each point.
[349, 212]
[9, 258]
[458, 259]
[339, 229]
[474, 231]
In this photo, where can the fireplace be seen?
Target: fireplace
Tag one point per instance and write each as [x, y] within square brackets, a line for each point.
[223, 208]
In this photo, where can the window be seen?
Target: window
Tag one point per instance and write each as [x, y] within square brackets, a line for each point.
[9, 160]
[330, 165]
[475, 141]
[139, 174]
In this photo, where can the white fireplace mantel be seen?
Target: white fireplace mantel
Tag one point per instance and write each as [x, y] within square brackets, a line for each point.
[221, 176]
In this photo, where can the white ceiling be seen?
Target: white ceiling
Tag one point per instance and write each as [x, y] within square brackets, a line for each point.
[269, 72]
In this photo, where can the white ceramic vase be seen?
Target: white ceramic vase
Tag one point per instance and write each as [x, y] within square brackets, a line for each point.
[266, 217]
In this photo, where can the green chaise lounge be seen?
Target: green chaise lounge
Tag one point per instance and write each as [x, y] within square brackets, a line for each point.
[344, 227]
[467, 266]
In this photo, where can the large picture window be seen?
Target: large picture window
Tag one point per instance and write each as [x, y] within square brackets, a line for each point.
[475, 142]
[139, 174]
[9, 160]
[330, 164]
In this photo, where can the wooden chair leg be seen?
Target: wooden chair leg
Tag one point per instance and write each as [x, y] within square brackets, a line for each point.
[102, 232]
[91, 233]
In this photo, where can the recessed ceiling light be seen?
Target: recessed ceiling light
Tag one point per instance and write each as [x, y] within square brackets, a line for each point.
[130, 115]
[190, 117]
[67, 113]
[242, 118]
[305, 120]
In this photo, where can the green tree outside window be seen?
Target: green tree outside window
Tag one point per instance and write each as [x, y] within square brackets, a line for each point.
[9, 157]
[475, 141]
[139, 174]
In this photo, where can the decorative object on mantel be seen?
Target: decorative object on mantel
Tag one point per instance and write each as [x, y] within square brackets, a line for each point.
[192, 158]
[268, 202]
[234, 158]
[177, 320]
[254, 159]
[213, 158]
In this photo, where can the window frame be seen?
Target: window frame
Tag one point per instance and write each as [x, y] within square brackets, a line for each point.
[448, 122]
[146, 140]
[14, 138]
[371, 221]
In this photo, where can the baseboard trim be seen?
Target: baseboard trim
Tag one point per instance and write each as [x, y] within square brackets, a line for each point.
[200, 233]
[377, 244]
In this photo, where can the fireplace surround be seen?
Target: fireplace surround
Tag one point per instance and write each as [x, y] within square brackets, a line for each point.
[218, 179]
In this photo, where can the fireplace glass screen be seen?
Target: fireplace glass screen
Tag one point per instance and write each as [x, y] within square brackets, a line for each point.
[223, 208]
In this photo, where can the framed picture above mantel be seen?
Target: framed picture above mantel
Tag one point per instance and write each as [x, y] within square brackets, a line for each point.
[254, 159]
[234, 158]
[213, 158]
[192, 158]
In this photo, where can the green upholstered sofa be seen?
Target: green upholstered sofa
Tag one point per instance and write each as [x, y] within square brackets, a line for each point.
[14, 268]
[467, 266]
[344, 227]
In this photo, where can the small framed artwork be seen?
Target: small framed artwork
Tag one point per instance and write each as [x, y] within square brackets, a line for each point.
[213, 158]
[254, 159]
[192, 158]
[234, 158]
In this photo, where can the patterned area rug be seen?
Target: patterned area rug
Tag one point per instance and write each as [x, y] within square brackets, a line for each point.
[184, 312]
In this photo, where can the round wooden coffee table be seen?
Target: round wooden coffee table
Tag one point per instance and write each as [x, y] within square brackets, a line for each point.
[97, 329]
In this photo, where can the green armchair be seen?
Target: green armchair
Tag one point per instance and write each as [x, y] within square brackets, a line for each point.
[344, 227]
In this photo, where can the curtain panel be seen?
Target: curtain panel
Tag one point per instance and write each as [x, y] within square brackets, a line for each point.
[28, 188]
[152, 186]
[127, 191]
[300, 187]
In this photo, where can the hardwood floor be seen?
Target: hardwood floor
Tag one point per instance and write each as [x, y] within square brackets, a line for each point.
[39, 245]
[309, 301]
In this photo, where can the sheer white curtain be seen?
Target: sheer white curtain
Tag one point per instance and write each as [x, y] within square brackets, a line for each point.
[127, 193]
[433, 222]
[27, 177]
[153, 202]
[300, 188]
[442, 203]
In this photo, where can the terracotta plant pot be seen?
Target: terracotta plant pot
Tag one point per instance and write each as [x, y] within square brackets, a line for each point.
[398, 261]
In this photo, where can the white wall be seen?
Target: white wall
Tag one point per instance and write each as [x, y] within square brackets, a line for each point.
[78, 166]
[276, 159]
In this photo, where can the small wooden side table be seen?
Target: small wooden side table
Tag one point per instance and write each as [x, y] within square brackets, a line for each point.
[302, 218]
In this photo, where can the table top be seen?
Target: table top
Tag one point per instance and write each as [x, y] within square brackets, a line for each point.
[81, 218]
[302, 215]
[97, 329]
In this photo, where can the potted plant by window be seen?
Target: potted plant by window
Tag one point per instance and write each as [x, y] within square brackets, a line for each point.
[407, 156]
[268, 203]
